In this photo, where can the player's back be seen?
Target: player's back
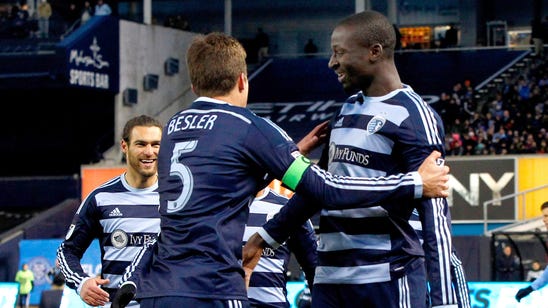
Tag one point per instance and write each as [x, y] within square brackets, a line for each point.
[213, 159]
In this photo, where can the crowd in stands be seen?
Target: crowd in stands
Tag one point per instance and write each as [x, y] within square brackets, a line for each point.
[511, 119]
[47, 20]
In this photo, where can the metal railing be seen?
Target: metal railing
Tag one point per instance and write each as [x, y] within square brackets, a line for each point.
[521, 194]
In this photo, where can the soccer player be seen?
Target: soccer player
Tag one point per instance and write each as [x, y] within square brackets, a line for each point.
[267, 285]
[122, 213]
[216, 155]
[372, 257]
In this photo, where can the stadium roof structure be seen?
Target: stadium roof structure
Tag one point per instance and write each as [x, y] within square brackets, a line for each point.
[527, 226]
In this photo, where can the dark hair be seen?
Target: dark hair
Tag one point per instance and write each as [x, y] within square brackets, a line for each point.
[142, 120]
[544, 205]
[372, 27]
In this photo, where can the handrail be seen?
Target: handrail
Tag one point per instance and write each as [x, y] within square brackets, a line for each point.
[522, 194]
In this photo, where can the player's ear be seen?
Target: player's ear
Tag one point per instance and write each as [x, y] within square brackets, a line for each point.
[242, 82]
[123, 146]
[375, 52]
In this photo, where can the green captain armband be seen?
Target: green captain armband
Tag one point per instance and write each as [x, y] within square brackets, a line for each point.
[294, 173]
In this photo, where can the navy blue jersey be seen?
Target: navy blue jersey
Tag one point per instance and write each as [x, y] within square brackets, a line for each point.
[123, 218]
[369, 137]
[267, 286]
[460, 284]
[212, 161]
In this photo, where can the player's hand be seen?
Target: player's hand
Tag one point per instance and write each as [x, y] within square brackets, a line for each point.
[523, 292]
[314, 138]
[251, 254]
[435, 177]
[124, 295]
[92, 294]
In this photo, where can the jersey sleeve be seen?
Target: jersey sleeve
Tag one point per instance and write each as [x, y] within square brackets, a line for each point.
[76, 242]
[140, 263]
[303, 244]
[276, 152]
[345, 192]
[421, 134]
[541, 281]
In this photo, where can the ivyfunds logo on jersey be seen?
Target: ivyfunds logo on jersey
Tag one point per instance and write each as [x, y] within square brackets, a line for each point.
[347, 154]
[115, 213]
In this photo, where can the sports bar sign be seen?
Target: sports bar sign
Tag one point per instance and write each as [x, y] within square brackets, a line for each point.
[90, 55]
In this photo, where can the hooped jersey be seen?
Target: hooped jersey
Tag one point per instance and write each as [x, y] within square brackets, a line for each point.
[267, 285]
[123, 218]
[369, 137]
[212, 161]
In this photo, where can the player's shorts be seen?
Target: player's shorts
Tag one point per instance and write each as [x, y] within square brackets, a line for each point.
[179, 301]
[404, 292]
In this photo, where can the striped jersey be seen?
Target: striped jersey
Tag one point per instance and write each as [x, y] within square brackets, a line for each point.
[214, 157]
[267, 286]
[122, 218]
[458, 277]
[371, 137]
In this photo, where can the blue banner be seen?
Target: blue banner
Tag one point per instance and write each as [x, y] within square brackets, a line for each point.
[90, 58]
[40, 256]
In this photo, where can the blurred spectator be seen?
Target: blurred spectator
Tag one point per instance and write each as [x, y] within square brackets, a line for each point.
[19, 20]
[52, 298]
[44, 13]
[507, 265]
[537, 36]
[87, 13]
[25, 278]
[545, 29]
[310, 48]
[263, 42]
[451, 36]
[56, 276]
[177, 22]
[72, 17]
[102, 8]
[455, 145]
[535, 271]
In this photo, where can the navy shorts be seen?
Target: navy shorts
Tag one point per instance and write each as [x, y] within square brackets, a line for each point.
[179, 301]
[409, 291]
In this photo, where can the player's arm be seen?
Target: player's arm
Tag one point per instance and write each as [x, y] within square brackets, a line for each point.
[301, 207]
[303, 244]
[141, 261]
[270, 147]
[541, 281]
[338, 192]
[416, 141]
[70, 252]
[535, 285]
[128, 286]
